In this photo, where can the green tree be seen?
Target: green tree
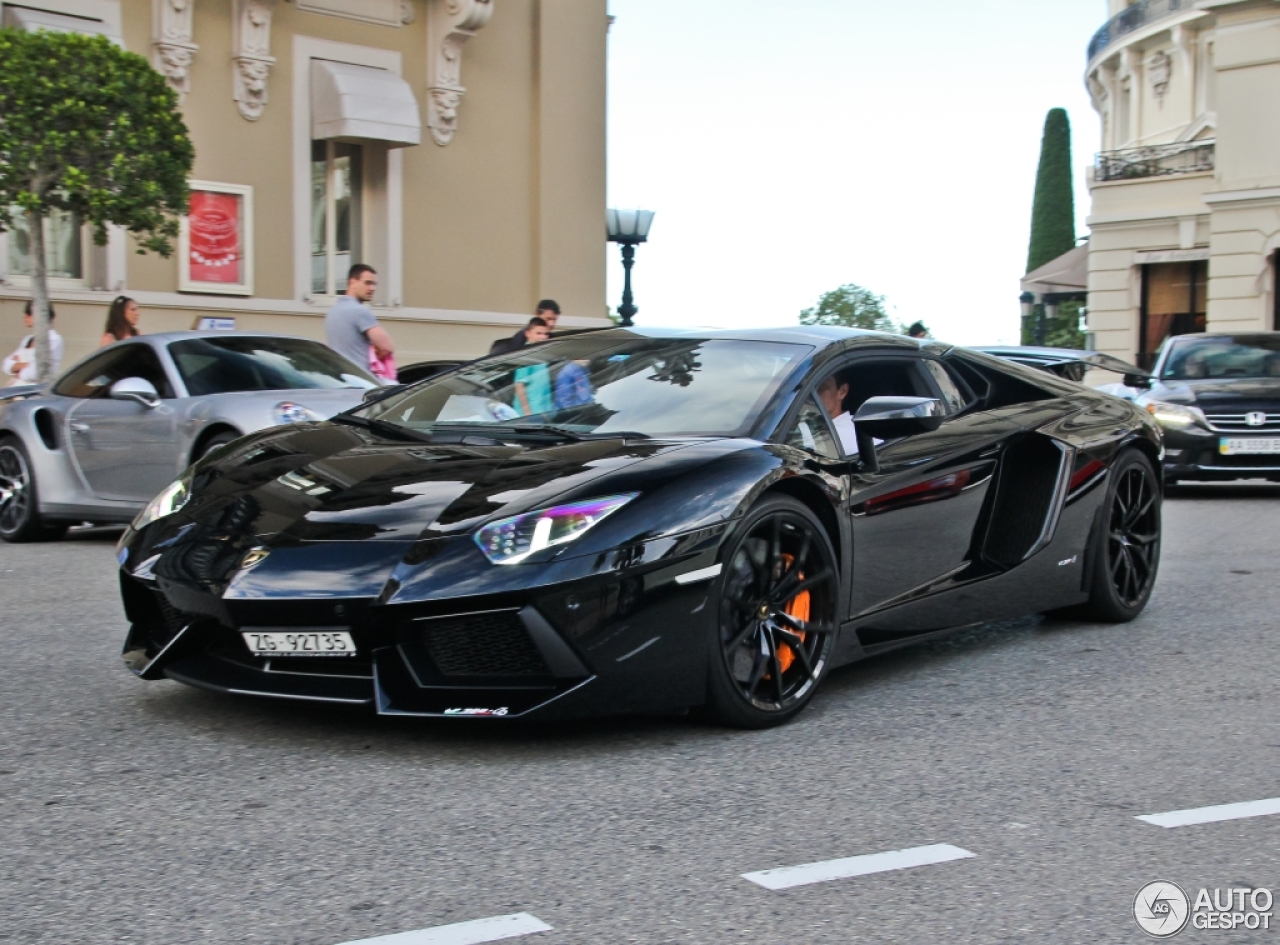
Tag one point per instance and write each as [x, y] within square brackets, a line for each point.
[1053, 212]
[89, 129]
[853, 307]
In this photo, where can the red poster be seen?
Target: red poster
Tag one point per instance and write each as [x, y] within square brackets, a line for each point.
[214, 224]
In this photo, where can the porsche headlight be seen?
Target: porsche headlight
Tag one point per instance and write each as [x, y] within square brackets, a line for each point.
[511, 540]
[1176, 416]
[172, 498]
[288, 412]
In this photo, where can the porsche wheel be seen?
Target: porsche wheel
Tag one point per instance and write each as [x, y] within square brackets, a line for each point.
[19, 508]
[1126, 550]
[777, 617]
[215, 441]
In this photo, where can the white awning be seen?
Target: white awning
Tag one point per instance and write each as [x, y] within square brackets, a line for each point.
[24, 18]
[357, 103]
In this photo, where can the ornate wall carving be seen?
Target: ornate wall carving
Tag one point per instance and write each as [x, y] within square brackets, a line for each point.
[450, 24]
[1160, 70]
[172, 50]
[253, 59]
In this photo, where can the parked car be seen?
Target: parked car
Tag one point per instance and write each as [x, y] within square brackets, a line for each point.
[1217, 399]
[643, 520]
[112, 431]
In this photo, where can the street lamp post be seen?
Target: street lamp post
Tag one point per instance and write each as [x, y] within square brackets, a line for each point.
[629, 228]
[1029, 309]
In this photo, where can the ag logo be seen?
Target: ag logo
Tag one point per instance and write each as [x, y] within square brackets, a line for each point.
[1161, 909]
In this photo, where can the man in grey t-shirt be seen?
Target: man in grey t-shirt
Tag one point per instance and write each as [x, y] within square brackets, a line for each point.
[350, 327]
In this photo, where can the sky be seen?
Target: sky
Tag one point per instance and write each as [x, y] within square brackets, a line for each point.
[791, 147]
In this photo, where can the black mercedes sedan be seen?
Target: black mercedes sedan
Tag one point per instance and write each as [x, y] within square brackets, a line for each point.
[1217, 399]
[643, 520]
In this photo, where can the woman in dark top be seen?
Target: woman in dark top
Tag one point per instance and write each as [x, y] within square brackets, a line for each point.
[122, 321]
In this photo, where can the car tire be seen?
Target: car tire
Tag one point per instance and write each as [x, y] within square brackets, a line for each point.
[19, 502]
[211, 444]
[1125, 547]
[776, 618]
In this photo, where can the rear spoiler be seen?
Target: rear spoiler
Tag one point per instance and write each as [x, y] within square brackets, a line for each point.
[1071, 364]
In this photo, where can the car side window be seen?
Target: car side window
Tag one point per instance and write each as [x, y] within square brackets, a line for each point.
[811, 432]
[952, 395]
[95, 377]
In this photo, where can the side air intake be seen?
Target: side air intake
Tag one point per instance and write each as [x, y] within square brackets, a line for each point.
[1028, 495]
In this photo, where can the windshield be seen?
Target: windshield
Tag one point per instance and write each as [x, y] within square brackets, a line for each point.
[228, 365]
[1223, 356]
[605, 384]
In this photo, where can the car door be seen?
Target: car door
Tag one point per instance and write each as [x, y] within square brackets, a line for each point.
[915, 518]
[122, 449]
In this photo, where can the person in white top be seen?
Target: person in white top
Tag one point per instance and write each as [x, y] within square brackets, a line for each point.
[20, 367]
[831, 394]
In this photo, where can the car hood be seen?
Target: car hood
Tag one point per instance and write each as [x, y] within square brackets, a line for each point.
[335, 482]
[1220, 393]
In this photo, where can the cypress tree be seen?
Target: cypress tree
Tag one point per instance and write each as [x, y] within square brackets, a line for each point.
[1053, 214]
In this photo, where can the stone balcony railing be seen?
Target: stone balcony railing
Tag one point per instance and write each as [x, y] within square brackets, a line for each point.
[1157, 160]
[1133, 18]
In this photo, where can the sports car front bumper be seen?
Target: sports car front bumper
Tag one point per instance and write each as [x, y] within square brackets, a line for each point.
[624, 635]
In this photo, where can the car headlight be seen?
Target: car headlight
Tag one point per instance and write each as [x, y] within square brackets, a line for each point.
[1176, 416]
[511, 540]
[294, 413]
[171, 499]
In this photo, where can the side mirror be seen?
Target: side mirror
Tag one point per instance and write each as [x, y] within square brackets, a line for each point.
[137, 389]
[1140, 381]
[889, 417]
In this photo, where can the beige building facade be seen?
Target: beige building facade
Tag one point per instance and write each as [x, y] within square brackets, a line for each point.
[1185, 217]
[458, 146]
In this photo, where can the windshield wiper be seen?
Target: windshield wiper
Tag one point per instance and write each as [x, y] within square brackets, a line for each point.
[550, 430]
[383, 427]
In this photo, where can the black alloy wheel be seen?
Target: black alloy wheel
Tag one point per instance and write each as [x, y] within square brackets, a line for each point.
[1127, 550]
[19, 508]
[777, 616]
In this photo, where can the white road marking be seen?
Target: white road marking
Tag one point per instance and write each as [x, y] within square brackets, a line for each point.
[640, 649]
[1211, 815]
[785, 877]
[465, 933]
[705, 574]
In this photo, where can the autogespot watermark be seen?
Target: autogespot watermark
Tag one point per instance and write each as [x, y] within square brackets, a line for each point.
[1162, 909]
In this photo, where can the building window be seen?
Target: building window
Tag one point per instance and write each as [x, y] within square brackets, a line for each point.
[336, 211]
[63, 246]
[1174, 302]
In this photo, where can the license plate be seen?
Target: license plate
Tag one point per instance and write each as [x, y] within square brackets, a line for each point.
[1237, 446]
[299, 642]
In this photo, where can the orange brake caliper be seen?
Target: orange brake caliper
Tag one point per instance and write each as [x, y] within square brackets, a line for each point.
[797, 607]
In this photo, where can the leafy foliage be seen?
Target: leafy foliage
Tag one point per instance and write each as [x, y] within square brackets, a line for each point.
[851, 306]
[1053, 213]
[90, 128]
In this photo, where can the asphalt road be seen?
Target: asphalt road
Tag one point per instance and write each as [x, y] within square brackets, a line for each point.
[153, 813]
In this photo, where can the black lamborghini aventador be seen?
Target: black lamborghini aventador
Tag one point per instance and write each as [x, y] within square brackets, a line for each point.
[642, 520]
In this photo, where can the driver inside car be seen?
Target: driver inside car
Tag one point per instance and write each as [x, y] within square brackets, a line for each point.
[831, 394]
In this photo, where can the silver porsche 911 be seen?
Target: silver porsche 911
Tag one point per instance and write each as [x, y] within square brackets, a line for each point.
[99, 442]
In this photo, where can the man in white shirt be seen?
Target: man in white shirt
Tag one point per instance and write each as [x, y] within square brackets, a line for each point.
[20, 367]
[831, 394]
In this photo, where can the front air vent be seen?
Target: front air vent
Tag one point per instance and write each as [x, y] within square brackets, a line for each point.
[489, 644]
